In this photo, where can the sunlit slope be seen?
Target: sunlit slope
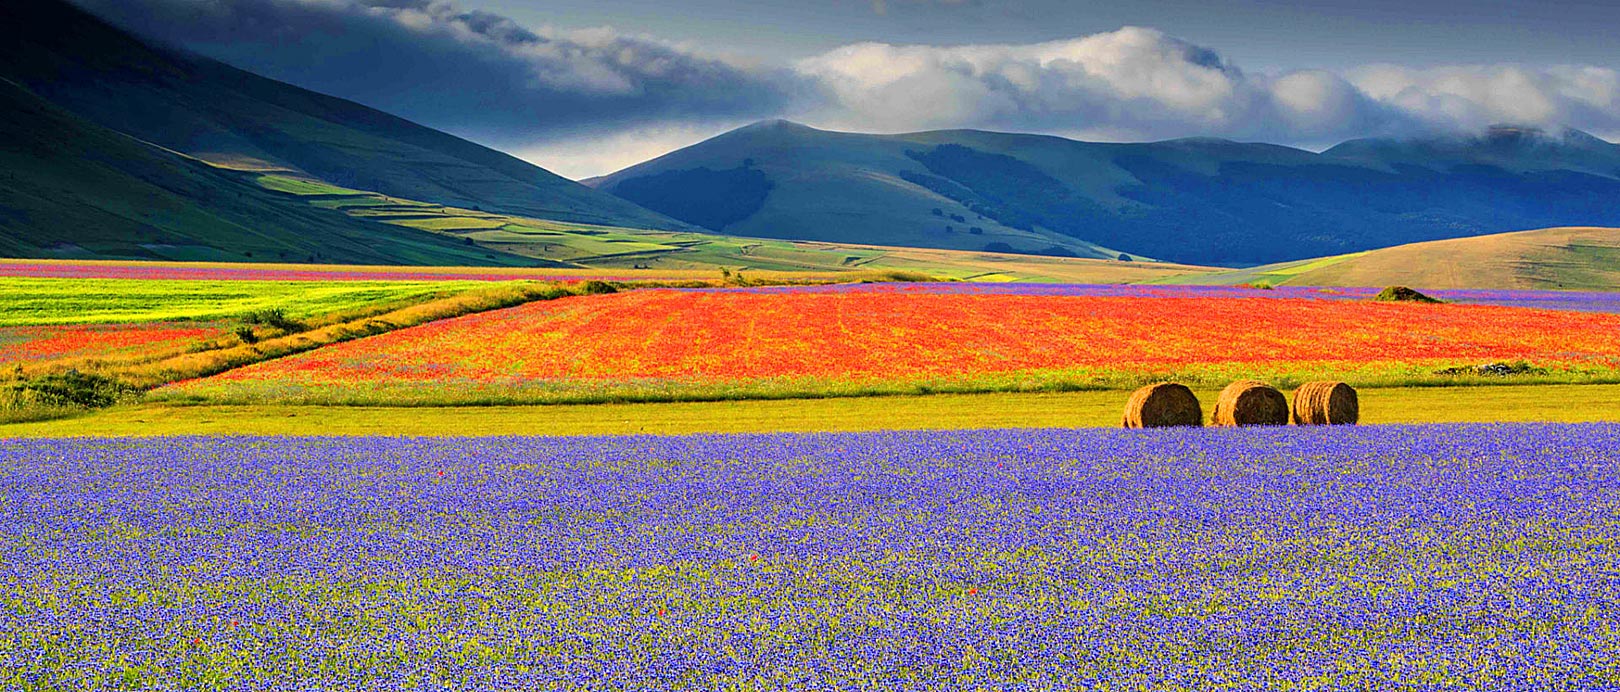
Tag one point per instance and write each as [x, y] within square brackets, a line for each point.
[234, 118]
[70, 188]
[1584, 258]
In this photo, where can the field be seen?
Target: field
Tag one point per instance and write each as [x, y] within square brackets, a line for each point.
[1579, 258]
[652, 345]
[888, 484]
[1471, 557]
[28, 301]
[45, 345]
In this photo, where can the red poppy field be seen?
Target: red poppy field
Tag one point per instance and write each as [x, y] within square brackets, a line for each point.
[39, 345]
[668, 344]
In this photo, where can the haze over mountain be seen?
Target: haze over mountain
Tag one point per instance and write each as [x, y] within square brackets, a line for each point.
[1203, 201]
[235, 119]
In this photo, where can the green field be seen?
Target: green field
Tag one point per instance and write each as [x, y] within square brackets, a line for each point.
[88, 301]
[1508, 403]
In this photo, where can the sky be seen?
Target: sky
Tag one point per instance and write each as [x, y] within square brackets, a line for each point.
[586, 87]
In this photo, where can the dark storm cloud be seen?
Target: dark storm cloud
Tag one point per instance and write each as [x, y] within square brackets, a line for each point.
[468, 71]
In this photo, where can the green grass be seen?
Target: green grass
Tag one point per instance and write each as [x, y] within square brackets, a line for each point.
[34, 301]
[1531, 403]
[301, 186]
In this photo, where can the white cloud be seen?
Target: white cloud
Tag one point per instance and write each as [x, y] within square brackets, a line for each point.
[1470, 97]
[1139, 83]
[1133, 75]
[598, 154]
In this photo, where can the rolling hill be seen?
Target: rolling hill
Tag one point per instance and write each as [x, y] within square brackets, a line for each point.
[231, 118]
[70, 188]
[1200, 201]
[563, 244]
[1549, 258]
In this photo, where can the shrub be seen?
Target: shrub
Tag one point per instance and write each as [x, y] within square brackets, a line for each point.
[1402, 294]
[67, 389]
[245, 333]
[594, 287]
[1498, 369]
[274, 318]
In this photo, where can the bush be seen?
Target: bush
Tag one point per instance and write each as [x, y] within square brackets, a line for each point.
[274, 318]
[1402, 294]
[245, 333]
[1498, 369]
[594, 287]
[68, 389]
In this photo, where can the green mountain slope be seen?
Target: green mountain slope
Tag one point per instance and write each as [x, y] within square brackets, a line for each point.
[69, 188]
[233, 118]
[1200, 201]
[783, 180]
[1549, 258]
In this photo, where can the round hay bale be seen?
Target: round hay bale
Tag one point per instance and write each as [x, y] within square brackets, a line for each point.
[1163, 405]
[1247, 402]
[1326, 403]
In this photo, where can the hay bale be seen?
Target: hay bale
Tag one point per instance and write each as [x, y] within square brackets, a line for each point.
[1247, 402]
[1326, 403]
[1163, 405]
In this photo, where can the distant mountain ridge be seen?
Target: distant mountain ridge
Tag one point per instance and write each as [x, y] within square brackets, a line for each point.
[1204, 201]
[232, 118]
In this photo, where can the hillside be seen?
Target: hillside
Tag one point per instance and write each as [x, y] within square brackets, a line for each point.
[1550, 258]
[69, 188]
[233, 118]
[1199, 201]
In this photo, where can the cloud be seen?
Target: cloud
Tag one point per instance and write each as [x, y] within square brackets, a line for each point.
[472, 72]
[589, 155]
[1134, 83]
[1139, 83]
[1471, 97]
[587, 101]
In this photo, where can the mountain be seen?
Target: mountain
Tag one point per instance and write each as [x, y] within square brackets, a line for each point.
[1200, 201]
[231, 118]
[70, 188]
[1550, 258]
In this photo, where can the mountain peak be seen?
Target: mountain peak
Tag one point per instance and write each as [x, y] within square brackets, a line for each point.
[776, 124]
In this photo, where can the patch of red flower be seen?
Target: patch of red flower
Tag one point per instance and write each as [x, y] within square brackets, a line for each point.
[738, 336]
[57, 342]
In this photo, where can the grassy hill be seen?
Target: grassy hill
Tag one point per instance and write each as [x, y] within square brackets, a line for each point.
[562, 244]
[1552, 258]
[236, 119]
[70, 188]
[1198, 201]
